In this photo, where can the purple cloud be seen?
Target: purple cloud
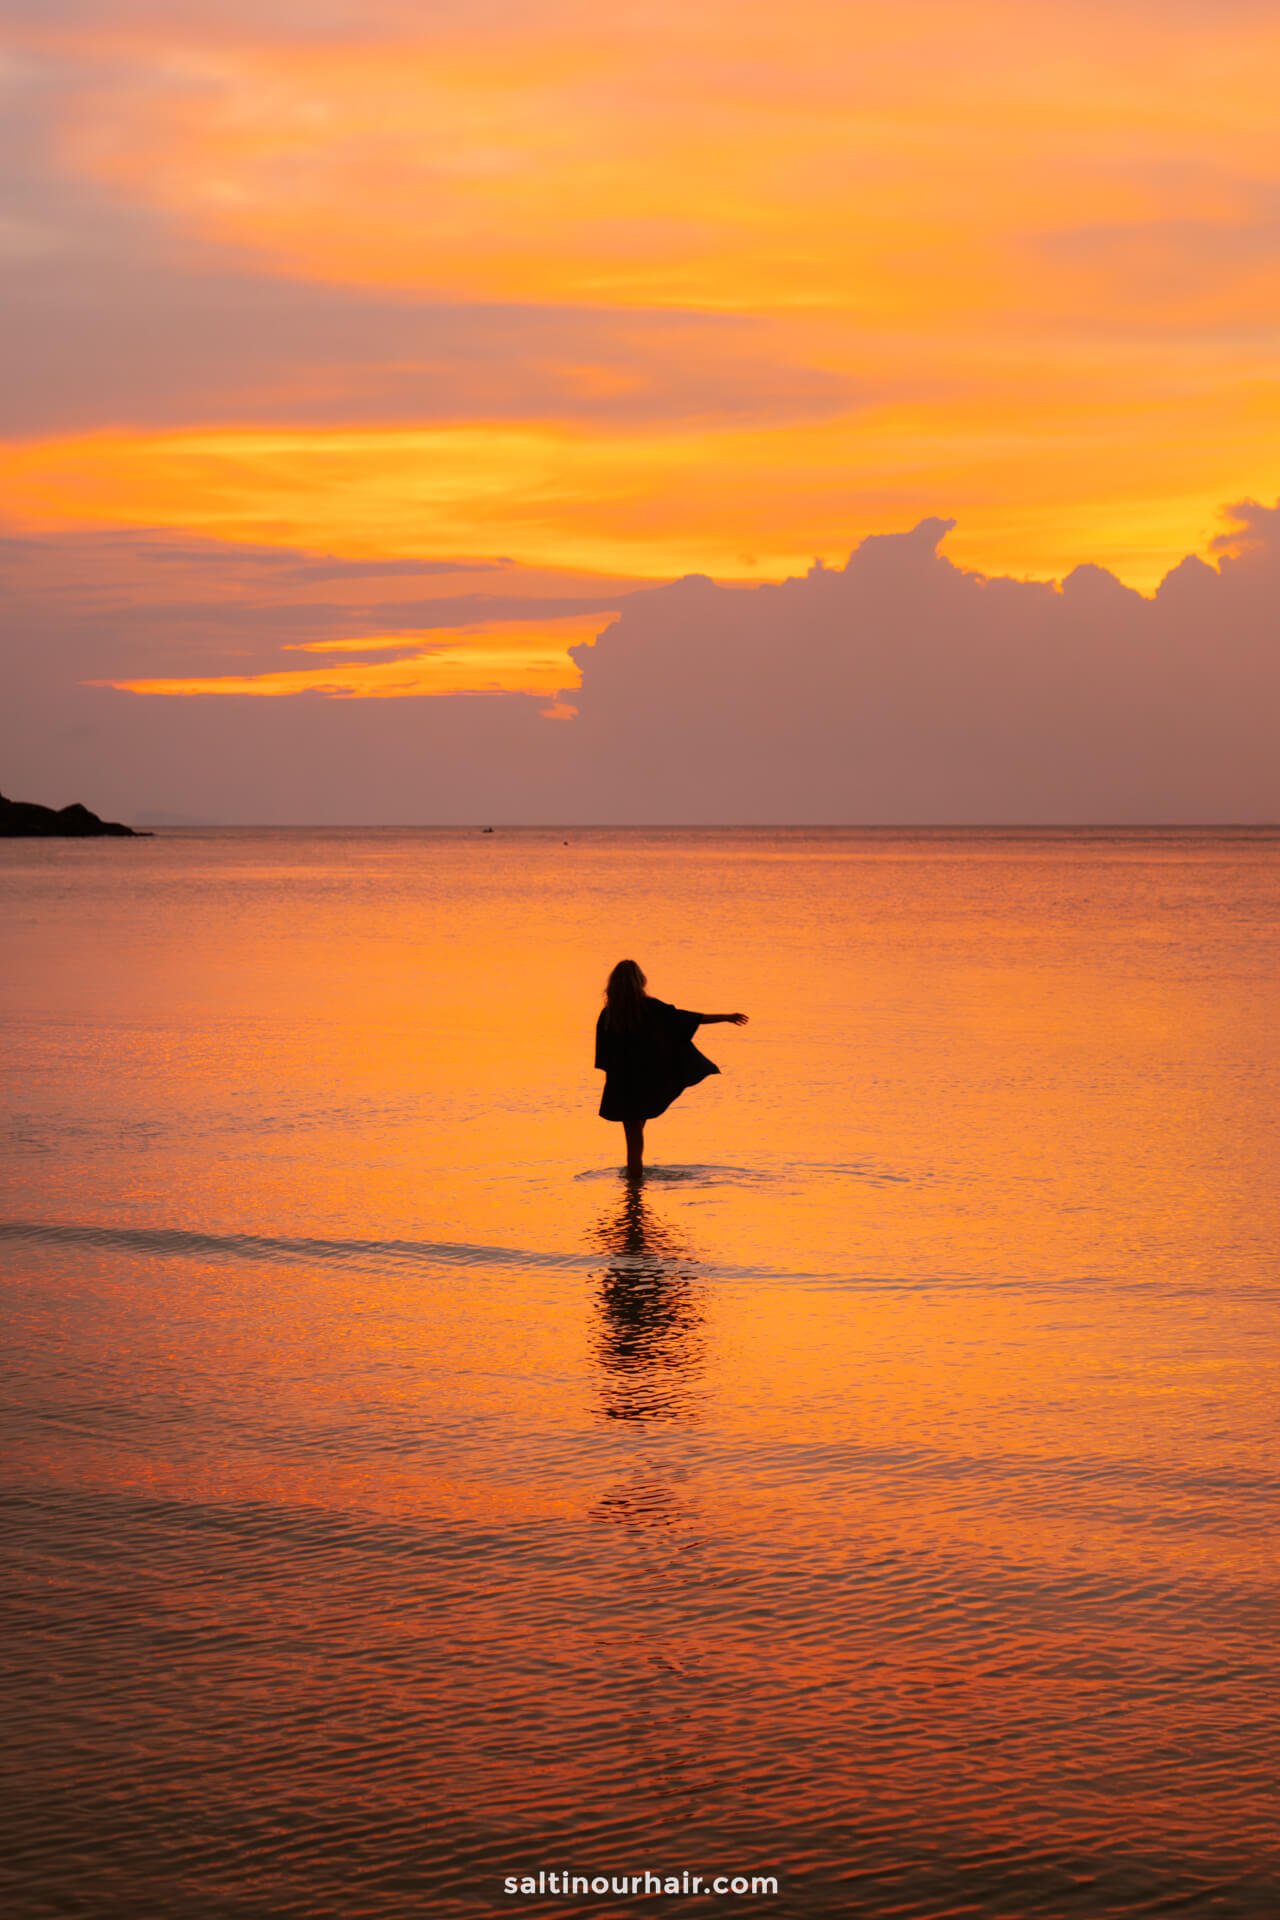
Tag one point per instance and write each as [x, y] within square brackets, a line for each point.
[898, 689]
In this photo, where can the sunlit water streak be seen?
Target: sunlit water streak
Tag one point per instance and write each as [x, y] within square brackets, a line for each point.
[884, 1496]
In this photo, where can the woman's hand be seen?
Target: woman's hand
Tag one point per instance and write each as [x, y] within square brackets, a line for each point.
[737, 1019]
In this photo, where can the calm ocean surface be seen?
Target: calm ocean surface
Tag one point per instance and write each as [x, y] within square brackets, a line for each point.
[883, 1498]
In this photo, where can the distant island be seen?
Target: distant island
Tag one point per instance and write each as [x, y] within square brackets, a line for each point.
[23, 819]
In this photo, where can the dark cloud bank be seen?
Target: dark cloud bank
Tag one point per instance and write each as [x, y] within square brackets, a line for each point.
[899, 689]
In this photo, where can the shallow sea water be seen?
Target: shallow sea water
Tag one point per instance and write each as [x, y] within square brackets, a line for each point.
[882, 1497]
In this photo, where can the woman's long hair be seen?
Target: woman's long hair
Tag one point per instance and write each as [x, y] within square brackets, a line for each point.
[624, 997]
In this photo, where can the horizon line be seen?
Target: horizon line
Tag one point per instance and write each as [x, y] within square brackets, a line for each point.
[711, 826]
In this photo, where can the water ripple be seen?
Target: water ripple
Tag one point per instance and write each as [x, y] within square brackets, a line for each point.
[183, 1242]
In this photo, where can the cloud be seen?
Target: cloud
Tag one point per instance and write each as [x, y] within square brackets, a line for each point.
[116, 315]
[807, 263]
[903, 688]
[117, 609]
[1254, 533]
[103, 547]
[1171, 270]
[533, 653]
[292, 22]
[639, 290]
[899, 688]
[172, 346]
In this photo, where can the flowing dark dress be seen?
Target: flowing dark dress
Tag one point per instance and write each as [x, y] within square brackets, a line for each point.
[644, 1071]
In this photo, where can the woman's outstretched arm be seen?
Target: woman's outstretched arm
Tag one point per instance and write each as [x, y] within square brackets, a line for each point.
[722, 1019]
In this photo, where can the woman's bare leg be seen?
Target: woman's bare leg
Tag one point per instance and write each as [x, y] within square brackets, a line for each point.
[634, 1130]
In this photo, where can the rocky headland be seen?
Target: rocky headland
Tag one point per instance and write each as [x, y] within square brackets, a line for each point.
[23, 819]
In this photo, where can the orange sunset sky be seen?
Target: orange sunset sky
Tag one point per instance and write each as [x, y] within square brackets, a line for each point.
[391, 350]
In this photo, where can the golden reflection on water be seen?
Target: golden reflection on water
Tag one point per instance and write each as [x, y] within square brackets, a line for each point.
[882, 1490]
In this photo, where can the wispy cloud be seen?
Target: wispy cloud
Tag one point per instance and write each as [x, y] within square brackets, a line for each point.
[534, 656]
[851, 261]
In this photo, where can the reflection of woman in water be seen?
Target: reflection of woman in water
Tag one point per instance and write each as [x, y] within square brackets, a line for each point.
[651, 1314]
[644, 1048]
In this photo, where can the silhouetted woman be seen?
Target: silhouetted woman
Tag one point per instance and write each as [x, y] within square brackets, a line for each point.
[644, 1048]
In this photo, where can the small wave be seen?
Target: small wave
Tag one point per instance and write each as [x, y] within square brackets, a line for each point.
[185, 1243]
[647, 1262]
[865, 1170]
[692, 1175]
[787, 1173]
